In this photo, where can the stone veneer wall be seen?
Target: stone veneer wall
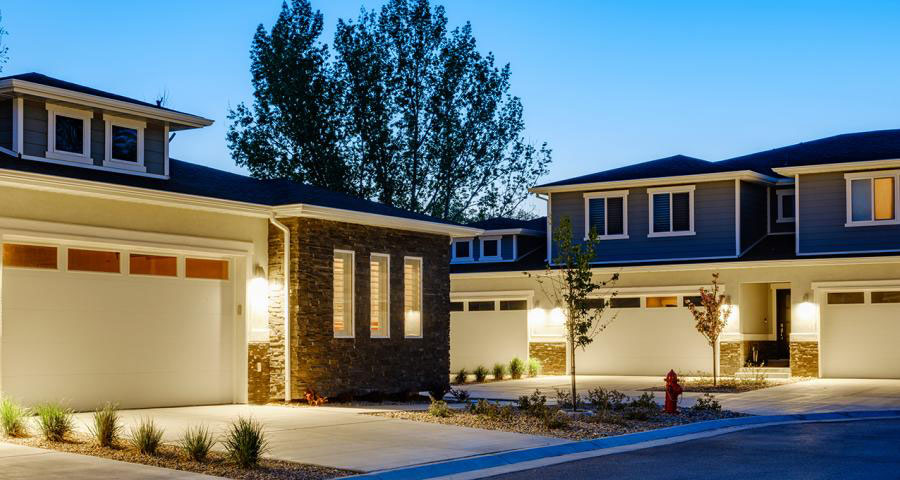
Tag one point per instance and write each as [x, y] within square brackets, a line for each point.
[804, 359]
[258, 373]
[551, 355]
[357, 366]
[731, 357]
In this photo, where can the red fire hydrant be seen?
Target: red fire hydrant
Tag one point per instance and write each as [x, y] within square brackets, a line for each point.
[673, 390]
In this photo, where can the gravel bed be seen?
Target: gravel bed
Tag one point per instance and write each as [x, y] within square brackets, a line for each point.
[171, 457]
[582, 427]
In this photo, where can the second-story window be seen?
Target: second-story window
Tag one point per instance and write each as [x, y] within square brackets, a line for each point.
[607, 213]
[69, 134]
[124, 143]
[462, 249]
[671, 211]
[785, 205]
[872, 198]
[490, 248]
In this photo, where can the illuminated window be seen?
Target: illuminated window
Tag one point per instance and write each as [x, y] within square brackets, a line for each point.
[844, 298]
[625, 302]
[412, 297]
[871, 198]
[342, 269]
[93, 261]
[659, 302]
[379, 295]
[29, 256]
[206, 268]
[141, 264]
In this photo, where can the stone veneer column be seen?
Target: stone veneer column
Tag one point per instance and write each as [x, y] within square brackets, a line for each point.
[276, 314]
[552, 356]
[258, 378]
[805, 359]
[731, 357]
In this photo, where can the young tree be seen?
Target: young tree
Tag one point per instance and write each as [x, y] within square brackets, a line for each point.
[711, 317]
[569, 284]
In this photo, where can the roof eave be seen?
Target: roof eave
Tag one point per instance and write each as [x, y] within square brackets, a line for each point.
[748, 175]
[838, 167]
[374, 219]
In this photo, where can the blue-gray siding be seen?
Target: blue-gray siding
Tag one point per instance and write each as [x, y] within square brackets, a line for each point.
[714, 224]
[773, 212]
[753, 213]
[506, 247]
[154, 149]
[823, 213]
[6, 123]
[34, 135]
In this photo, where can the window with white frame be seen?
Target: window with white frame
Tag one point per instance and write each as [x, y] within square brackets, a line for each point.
[412, 297]
[872, 198]
[462, 249]
[785, 200]
[69, 133]
[379, 295]
[490, 248]
[607, 213]
[671, 211]
[124, 143]
[342, 268]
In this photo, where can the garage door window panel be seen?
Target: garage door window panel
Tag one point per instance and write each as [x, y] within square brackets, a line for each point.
[29, 256]
[93, 261]
[886, 297]
[662, 302]
[509, 305]
[482, 306]
[625, 302]
[155, 265]
[846, 298]
[206, 268]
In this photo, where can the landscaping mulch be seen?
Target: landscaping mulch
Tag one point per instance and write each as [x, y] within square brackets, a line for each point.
[725, 385]
[582, 427]
[169, 456]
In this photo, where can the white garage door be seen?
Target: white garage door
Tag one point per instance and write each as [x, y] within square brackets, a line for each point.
[487, 331]
[140, 340]
[646, 338]
[860, 331]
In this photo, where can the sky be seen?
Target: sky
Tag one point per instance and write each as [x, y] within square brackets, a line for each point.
[606, 84]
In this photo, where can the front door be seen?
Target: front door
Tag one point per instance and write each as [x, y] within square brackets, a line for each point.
[783, 322]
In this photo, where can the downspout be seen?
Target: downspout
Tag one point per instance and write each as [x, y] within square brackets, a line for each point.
[285, 268]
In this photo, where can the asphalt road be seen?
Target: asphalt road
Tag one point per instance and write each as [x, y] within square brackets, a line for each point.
[844, 450]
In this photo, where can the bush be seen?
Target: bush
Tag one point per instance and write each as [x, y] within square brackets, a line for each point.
[534, 404]
[491, 410]
[12, 418]
[555, 419]
[564, 399]
[481, 374]
[246, 442]
[197, 442]
[461, 376]
[54, 420]
[459, 395]
[106, 426]
[606, 417]
[707, 403]
[439, 408]
[605, 400]
[534, 367]
[642, 408]
[516, 368]
[146, 437]
[499, 371]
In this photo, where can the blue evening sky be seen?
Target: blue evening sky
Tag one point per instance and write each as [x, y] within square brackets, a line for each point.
[605, 83]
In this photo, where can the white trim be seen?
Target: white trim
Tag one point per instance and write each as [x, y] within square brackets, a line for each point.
[352, 292]
[515, 231]
[387, 289]
[108, 160]
[837, 167]
[485, 258]
[797, 214]
[623, 194]
[515, 242]
[85, 116]
[166, 150]
[363, 218]
[780, 207]
[454, 258]
[768, 210]
[421, 297]
[549, 258]
[870, 176]
[496, 294]
[9, 152]
[18, 125]
[91, 166]
[748, 175]
[671, 190]
[737, 217]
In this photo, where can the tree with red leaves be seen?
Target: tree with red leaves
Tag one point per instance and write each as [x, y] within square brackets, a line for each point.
[711, 316]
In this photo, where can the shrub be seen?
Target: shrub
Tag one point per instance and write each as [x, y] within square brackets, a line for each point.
[534, 404]
[555, 419]
[642, 408]
[707, 403]
[534, 367]
[54, 420]
[459, 395]
[461, 376]
[481, 374]
[146, 437]
[12, 418]
[439, 408]
[604, 400]
[106, 427]
[499, 371]
[606, 417]
[246, 442]
[516, 368]
[491, 410]
[564, 399]
[197, 442]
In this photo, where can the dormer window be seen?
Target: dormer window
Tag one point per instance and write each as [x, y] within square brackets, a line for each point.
[69, 134]
[490, 248]
[124, 143]
[872, 198]
[462, 249]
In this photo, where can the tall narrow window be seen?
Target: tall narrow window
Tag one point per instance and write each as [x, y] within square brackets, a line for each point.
[607, 214]
[671, 211]
[412, 297]
[343, 293]
[379, 295]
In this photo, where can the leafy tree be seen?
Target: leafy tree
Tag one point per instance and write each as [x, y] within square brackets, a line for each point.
[711, 316]
[4, 50]
[569, 284]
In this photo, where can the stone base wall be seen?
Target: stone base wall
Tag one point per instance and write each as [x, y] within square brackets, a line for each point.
[804, 359]
[551, 355]
[731, 357]
[258, 373]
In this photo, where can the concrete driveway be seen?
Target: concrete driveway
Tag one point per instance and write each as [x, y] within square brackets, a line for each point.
[807, 396]
[337, 436]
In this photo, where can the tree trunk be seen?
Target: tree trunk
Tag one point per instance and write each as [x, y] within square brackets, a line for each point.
[715, 380]
[572, 371]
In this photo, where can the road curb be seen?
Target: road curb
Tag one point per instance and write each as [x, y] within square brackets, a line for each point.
[495, 463]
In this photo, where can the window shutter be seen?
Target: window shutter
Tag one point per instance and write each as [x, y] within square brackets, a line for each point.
[597, 216]
[661, 212]
[615, 224]
[681, 212]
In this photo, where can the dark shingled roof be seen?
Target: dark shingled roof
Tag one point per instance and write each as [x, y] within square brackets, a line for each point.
[663, 167]
[503, 223]
[192, 179]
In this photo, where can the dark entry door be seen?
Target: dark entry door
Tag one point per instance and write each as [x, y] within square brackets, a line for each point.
[783, 321]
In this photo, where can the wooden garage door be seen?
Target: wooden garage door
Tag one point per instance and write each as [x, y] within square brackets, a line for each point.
[859, 334]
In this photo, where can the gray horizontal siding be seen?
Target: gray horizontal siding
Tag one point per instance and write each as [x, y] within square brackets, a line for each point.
[98, 139]
[823, 213]
[714, 224]
[753, 213]
[506, 247]
[34, 134]
[154, 149]
[773, 213]
[6, 123]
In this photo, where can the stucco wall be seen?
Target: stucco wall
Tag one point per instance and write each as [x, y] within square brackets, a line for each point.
[486, 338]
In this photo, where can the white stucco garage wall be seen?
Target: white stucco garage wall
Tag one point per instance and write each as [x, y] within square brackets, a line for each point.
[485, 338]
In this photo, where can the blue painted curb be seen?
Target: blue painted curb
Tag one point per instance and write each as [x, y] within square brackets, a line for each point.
[482, 462]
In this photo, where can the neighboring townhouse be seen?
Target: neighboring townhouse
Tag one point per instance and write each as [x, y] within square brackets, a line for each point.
[132, 277]
[806, 239]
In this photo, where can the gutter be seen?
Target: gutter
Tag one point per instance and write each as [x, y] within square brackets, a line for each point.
[286, 305]
[748, 175]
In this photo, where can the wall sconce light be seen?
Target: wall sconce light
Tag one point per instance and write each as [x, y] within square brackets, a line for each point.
[259, 271]
[806, 297]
